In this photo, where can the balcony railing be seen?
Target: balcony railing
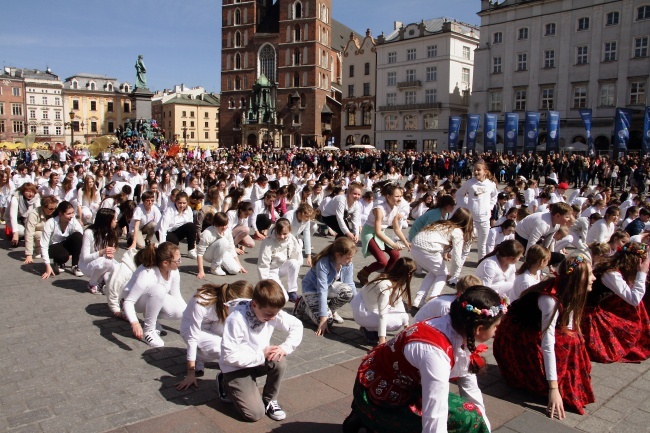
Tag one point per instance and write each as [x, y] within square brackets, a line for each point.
[409, 84]
[408, 107]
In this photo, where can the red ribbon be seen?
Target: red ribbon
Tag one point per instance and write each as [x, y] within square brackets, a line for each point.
[476, 359]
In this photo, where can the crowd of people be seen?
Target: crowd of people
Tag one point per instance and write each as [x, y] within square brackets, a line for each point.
[563, 276]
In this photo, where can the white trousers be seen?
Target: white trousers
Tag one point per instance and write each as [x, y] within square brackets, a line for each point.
[96, 269]
[396, 317]
[435, 278]
[221, 253]
[208, 345]
[290, 270]
[482, 229]
[157, 305]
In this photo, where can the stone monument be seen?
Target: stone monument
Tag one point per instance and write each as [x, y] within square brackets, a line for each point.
[141, 95]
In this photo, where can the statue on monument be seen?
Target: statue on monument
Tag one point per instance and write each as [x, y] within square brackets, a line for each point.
[140, 74]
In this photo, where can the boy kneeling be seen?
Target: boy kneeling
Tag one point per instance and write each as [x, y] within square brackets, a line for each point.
[246, 353]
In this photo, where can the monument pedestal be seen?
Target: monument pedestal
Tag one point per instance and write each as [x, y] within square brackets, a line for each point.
[141, 102]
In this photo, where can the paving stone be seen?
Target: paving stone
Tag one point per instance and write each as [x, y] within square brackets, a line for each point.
[594, 424]
[31, 416]
[529, 422]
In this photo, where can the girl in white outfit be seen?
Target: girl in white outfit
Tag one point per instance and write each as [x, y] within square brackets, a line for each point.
[88, 200]
[497, 269]
[479, 195]
[280, 256]
[155, 291]
[503, 232]
[202, 325]
[97, 258]
[530, 273]
[218, 248]
[378, 306]
[432, 243]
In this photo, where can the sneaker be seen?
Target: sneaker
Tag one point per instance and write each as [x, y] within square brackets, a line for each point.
[419, 297]
[192, 254]
[152, 339]
[337, 318]
[218, 271]
[77, 272]
[93, 288]
[55, 268]
[221, 389]
[274, 411]
[293, 297]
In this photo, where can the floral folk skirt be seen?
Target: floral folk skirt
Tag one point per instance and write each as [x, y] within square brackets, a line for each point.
[463, 416]
[518, 352]
[616, 331]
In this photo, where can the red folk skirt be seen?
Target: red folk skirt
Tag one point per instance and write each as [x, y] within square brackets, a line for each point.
[518, 352]
[616, 331]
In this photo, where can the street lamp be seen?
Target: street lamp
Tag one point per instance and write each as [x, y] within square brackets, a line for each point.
[69, 125]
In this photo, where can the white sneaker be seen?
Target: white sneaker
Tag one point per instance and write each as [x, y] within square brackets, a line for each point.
[218, 271]
[192, 254]
[77, 272]
[337, 318]
[152, 339]
[274, 411]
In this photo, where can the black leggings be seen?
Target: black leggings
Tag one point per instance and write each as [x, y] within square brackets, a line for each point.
[333, 223]
[187, 230]
[556, 258]
[71, 246]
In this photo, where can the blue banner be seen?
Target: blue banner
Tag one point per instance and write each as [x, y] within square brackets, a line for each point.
[621, 131]
[553, 135]
[454, 130]
[473, 121]
[490, 133]
[645, 147]
[511, 131]
[531, 132]
[586, 119]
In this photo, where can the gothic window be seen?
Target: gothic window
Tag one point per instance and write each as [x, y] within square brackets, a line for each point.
[296, 56]
[297, 10]
[237, 61]
[237, 39]
[267, 62]
[296, 33]
[237, 17]
[296, 80]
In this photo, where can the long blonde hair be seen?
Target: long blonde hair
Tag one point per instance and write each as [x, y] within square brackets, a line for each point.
[218, 295]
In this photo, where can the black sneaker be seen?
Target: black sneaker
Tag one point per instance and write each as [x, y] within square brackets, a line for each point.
[221, 390]
[55, 268]
[371, 336]
[274, 411]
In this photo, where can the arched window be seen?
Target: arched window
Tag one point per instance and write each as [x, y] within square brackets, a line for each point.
[296, 33]
[297, 10]
[266, 63]
[237, 83]
[296, 56]
[75, 84]
[127, 88]
[231, 103]
[349, 140]
[365, 139]
[109, 87]
[296, 79]
[93, 86]
[237, 17]
[237, 61]
[237, 39]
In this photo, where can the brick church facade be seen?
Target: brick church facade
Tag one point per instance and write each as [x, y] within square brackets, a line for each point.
[297, 47]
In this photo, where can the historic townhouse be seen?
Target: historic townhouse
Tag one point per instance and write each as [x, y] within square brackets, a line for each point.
[565, 55]
[424, 72]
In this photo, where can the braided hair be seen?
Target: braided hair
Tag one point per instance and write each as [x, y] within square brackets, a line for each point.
[466, 322]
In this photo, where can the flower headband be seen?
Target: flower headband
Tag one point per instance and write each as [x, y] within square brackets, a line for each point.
[627, 248]
[571, 266]
[492, 311]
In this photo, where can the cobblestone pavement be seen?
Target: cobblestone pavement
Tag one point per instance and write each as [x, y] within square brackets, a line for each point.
[67, 366]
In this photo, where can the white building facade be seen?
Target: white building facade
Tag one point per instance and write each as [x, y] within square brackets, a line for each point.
[424, 74]
[564, 55]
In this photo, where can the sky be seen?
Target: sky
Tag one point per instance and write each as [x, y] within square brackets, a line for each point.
[180, 40]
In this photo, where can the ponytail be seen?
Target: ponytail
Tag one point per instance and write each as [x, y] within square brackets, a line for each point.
[509, 248]
[218, 295]
[535, 255]
[151, 256]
